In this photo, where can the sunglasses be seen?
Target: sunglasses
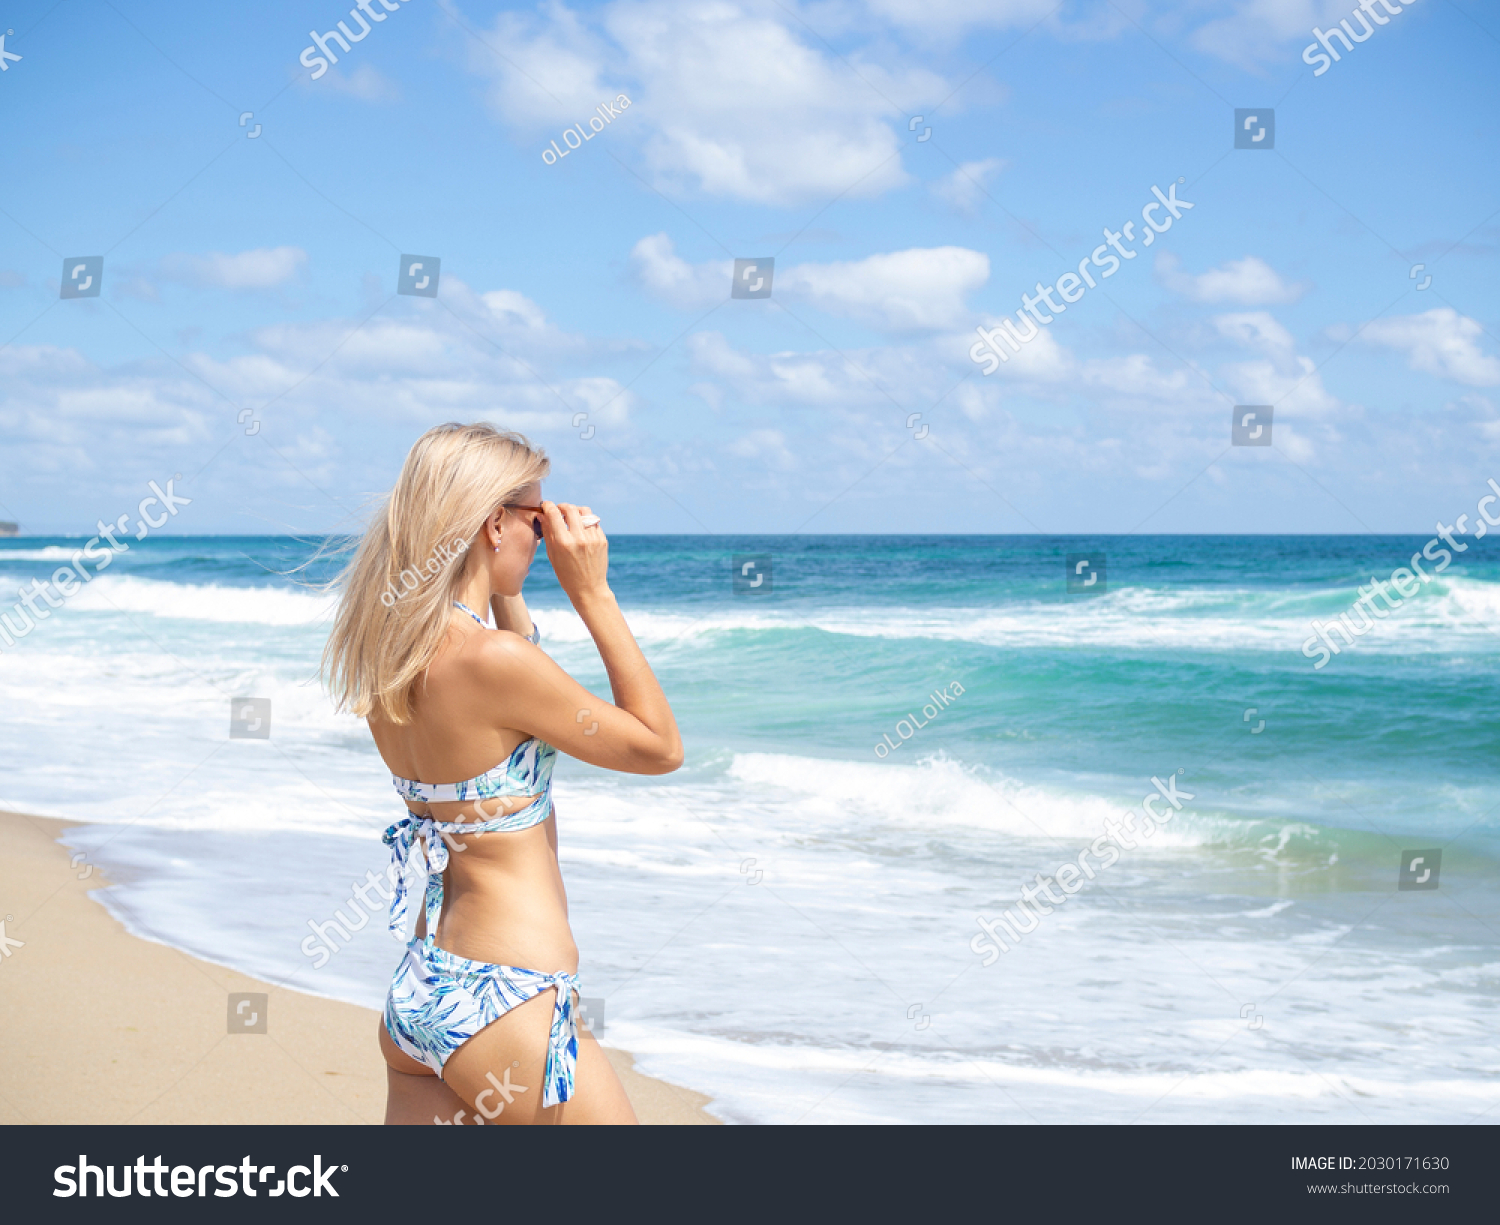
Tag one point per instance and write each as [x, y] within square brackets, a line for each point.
[534, 511]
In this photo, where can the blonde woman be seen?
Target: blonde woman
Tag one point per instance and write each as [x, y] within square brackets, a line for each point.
[480, 1021]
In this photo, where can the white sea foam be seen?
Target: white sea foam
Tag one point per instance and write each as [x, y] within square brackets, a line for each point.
[1455, 614]
[204, 602]
[1456, 617]
[1232, 1084]
[51, 552]
[936, 791]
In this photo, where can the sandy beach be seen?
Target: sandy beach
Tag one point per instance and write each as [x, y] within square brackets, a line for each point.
[102, 1027]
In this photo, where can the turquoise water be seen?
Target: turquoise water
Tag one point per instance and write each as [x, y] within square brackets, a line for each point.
[789, 922]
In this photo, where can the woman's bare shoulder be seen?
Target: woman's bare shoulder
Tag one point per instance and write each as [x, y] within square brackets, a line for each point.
[503, 657]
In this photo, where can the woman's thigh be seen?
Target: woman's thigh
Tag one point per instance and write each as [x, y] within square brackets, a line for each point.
[499, 1072]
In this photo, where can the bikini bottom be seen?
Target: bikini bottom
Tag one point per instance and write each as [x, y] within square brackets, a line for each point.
[439, 1000]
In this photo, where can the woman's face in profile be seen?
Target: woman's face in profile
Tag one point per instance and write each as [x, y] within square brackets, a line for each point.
[518, 543]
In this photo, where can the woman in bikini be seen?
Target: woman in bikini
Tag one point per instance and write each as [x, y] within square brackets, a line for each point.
[433, 645]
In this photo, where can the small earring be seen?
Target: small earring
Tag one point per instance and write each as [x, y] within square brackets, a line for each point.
[499, 536]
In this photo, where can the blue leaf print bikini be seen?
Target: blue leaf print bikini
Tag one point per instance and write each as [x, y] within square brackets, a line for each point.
[439, 1000]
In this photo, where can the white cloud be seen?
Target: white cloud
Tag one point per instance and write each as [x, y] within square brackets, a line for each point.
[713, 354]
[710, 393]
[545, 69]
[1138, 412]
[1487, 421]
[1245, 282]
[1260, 30]
[919, 289]
[954, 16]
[820, 379]
[74, 417]
[1298, 393]
[365, 83]
[1256, 330]
[976, 401]
[261, 268]
[1040, 359]
[1283, 377]
[725, 100]
[964, 188]
[1244, 32]
[1440, 342]
[768, 446]
[418, 338]
[1136, 374]
[408, 365]
[668, 276]
[515, 309]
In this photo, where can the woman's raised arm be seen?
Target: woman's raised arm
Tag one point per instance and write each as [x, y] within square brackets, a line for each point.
[637, 732]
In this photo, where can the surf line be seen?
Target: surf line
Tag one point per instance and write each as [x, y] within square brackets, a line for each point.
[940, 698]
[69, 579]
[1069, 876]
[604, 113]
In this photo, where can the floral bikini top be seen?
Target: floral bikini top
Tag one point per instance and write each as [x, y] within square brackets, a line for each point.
[527, 771]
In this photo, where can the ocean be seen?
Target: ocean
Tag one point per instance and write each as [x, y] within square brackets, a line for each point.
[888, 740]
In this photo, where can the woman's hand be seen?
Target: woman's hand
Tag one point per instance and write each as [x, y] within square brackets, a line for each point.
[579, 555]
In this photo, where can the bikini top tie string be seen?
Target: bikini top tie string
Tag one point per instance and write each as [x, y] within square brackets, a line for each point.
[401, 838]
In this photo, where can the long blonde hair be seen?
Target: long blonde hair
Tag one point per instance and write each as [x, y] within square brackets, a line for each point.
[398, 589]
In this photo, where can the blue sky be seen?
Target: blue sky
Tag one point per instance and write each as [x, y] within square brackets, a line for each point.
[256, 276]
